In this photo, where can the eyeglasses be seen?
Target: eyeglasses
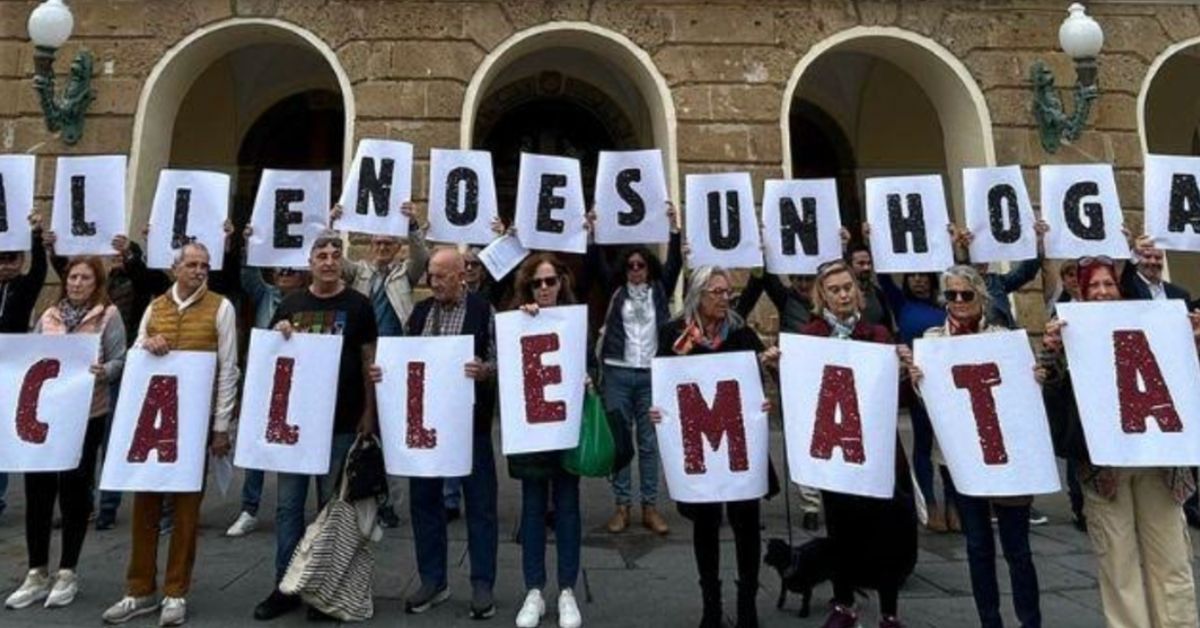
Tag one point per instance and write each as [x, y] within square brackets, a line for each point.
[966, 296]
[544, 282]
[635, 265]
[720, 293]
[473, 264]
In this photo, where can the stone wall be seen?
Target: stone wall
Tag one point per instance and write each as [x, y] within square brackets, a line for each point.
[726, 62]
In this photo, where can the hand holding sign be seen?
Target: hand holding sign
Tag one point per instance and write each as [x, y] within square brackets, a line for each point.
[290, 210]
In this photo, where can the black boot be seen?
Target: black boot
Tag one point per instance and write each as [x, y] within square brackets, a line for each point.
[747, 605]
[713, 616]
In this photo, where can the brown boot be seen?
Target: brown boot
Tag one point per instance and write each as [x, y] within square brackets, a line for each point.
[619, 520]
[653, 521]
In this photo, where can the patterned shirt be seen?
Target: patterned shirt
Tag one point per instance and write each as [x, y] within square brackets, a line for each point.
[448, 321]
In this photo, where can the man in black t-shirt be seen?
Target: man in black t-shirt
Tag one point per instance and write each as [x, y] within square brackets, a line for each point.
[326, 307]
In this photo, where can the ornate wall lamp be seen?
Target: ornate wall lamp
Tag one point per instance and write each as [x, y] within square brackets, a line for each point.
[50, 26]
[1081, 38]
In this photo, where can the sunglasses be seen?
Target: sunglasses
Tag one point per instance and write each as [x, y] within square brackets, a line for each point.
[544, 282]
[1096, 260]
[966, 296]
[635, 265]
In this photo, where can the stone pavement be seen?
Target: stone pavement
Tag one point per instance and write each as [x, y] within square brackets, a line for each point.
[632, 579]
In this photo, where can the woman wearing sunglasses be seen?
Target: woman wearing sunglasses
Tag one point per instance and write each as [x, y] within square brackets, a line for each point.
[1134, 514]
[543, 281]
[965, 293]
[708, 325]
[874, 540]
[639, 305]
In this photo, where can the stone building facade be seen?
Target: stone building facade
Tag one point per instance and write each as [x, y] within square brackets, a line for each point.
[846, 88]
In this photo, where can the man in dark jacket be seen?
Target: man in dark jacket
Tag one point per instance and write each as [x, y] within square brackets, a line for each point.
[452, 310]
[18, 296]
[1142, 277]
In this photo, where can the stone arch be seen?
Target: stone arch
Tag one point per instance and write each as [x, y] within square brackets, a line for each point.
[617, 50]
[953, 94]
[1168, 116]
[171, 79]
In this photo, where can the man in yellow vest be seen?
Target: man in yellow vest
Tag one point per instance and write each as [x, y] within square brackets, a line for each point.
[187, 318]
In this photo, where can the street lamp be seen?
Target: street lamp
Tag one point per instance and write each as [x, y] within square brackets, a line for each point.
[50, 26]
[1081, 38]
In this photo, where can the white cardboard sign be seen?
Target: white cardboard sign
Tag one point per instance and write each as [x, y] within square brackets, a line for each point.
[462, 196]
[712, 439]
[987, 412]
[909, 224]
[290, 210]
[188, 204]
[17, 174]
[89, 204]
[380, 181]
[999, 214]
[503, 255]
[550, 207]
[631, 197]
[542, 367]
[839, 413]
[426, 405]
[1172, 201]
[1081, 208]
[286, 421]
[160, 429]
[722, 226]
[1134, 370]
[45, 398]
[801, 225]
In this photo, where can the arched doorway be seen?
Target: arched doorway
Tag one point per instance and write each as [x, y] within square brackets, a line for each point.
[571, 89]
[205, 97]
[1169, 121]
[884, 101]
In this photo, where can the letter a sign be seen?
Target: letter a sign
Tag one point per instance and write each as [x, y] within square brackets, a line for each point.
[839, 413]
[713, 436]
[1134, 370]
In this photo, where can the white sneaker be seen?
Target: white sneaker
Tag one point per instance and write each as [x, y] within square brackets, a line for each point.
[532, 610]
[568, 610]
[35, 589]
[174, 612]
[130, 607]
[66, 585]
[245, 524]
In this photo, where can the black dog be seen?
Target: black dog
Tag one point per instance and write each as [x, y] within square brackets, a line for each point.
[800, 568]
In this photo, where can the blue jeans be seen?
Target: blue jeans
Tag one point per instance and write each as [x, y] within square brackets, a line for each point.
[293, 493]
[1074, 490]
[567, 529]
[110, 500]
[452, 493]
[1013, 522]
[483, 530]
[922, 456]
[628, 391]
[252, 488]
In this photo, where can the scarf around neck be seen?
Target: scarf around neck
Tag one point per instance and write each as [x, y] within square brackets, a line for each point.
[72, 315]
[694, 336]
[841, 329]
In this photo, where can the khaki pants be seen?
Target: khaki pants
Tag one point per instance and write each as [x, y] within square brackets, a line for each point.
[143, 561]
[1141, 542]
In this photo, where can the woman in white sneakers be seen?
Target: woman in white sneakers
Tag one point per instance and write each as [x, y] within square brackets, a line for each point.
[82, 308]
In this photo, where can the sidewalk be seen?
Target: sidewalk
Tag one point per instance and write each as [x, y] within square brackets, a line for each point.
[632, 579]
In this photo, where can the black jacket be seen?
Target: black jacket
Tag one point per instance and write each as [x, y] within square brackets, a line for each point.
[19, 296]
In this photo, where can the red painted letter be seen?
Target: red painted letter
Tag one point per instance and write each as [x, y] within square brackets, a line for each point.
[1136, 364]
[162, 400]
[697, 419]
[29, 429]
[278, 430]
[978, 380]
[416, 436]
[838, 394]
[537, 377]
